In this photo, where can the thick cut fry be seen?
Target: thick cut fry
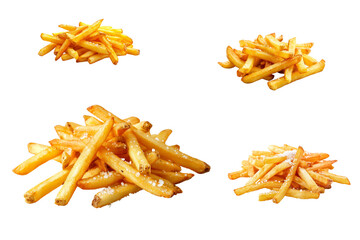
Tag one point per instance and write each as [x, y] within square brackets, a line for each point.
[275, 43]
[233, 58]
[143, 181]
[271, 69]
[40, 158]
[280, 82]
[262, 55]
[45, 187]
[83, 163]
[132, 51]
[88, 31]
[114, 58]
[301, 67]
[226, 64]
[136, 154]
[170, 153]
[248, 65]
[48, 48]
[308, 60]
[289, 70]
[289, 178]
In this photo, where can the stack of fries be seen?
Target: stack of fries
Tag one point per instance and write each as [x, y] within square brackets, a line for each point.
[88, 43]
[287, 171]
[265, 56]
[119, 155]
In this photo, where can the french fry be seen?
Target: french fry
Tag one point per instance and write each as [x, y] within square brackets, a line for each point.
[92, 172]
[275, 170]
[104, 179]
[143, 181]
[83, 163]
[271, 69]
[321, 180]
[272, 41]
[289, 178]
[289, 70]
[132, 120]
[35, 161]
[144, 126]
[237, 174]
[307, 178]
[136, 154]
[36, 193]
[226, 64]
[262, 55]
[165, 165]
[170, 153]
[48, 48]
[336, 178]
[322, 165]
[257, 186]
[280, 82]
[174, 177]
[301, 67]
[52, 39]
[301, 194]
[88, 31]
[248, 65]
[103, 114]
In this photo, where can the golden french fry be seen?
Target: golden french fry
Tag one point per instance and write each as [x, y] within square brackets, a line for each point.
[170, 153]
[280, 82]
[257, 186]
[262, 55]
[290, 193]
[165, 165]
[114, 58]
[226, 64]
[38, 159]
[88, 31]
[234, 58]
[289, 70]
[136, 154]
[83, 163]
[301, 67]
[143, 181]
[336, 178]
[272, 41]
[271, 69]
[48, 48]
[304, 175]
[289, 178]
[104, 179]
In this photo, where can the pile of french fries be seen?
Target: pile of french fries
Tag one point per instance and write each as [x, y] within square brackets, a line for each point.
[266, 56]
[287, 171]
[119, 155]
[88, 43]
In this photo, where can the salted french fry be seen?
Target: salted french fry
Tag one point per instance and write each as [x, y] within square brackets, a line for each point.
[289, 178]
[35, 148]
[118, 148]
[143, 181]
[301, 194]
[262, 171]
[262, 153]
[132, 120]
[151, 156]
[83, 163]
[308, 60]
[92, 172]
[336, 178]
[304, 175]
[226, 64]
[104, 179]
[62, 144]
[38, 159]
[276, 67]
[322, 165]
[272, 51]
[48, 48]
[112, 194]
[174, 177]
[165, 165]
[280, 82]
[92, 130]
[144, 126]
[275, 170]
[103, 114]
[321, 180]
[275, 159]
[36, 193]
[170, 153]
[257, 186]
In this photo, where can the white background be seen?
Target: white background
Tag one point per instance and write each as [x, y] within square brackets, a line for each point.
[176, 83]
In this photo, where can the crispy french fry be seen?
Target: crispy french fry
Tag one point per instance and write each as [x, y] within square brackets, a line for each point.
[234, 58]
[52, 39]
[257, 186]
[237, 174]
[174, 177]
[48, 48]
[136, 154]
[336, 178]
[144, 126]
[289, 70]
[88, 31]
[83, 163]
[143, 181]
[322, 165]
[301, 194]
[262, 55]
[248, 65]
[165, 165]
[321, 180]
[271, 69]
[104, 179]
[103, 114]
[226, 64]
[170, 153]
[308, 60]
[262, 171]
[36, 193]
[61, 144]
[304, 175]
[272, 41]
[301, 67]
[280, 82]
[114, 58]
[289, 178]
[38, 159]
[132, 120]
[275, 170]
